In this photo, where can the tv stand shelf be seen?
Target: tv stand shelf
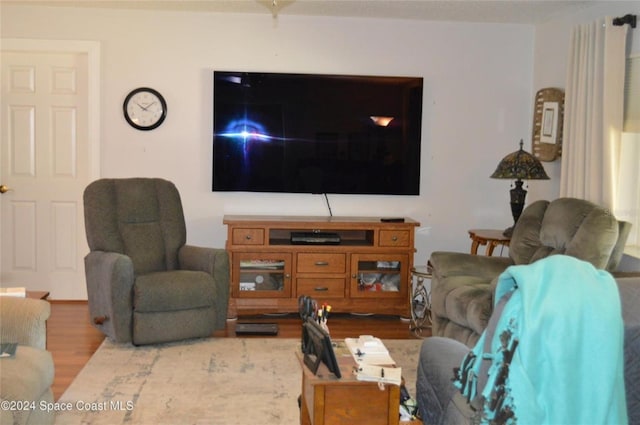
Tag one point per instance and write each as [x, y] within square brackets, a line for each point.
[367, 271]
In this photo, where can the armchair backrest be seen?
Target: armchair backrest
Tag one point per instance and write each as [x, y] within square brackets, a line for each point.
[138, 217]
[567, 226]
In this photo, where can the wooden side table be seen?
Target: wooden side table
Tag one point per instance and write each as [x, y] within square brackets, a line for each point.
[38, 295]
[489, 237]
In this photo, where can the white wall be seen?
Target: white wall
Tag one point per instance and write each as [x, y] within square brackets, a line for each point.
[477, 104]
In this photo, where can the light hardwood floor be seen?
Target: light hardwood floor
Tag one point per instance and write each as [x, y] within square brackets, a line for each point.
[72, 340]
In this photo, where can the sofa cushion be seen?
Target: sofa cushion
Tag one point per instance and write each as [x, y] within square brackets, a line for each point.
[172, 291]
[525, 240]
[26, 376]
[567, 226]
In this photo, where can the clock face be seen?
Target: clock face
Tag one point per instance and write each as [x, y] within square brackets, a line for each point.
[145, 108]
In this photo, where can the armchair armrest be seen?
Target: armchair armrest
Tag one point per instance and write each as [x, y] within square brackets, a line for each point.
[447, 264]
[23, 320]
[110, 280]
[214, 261]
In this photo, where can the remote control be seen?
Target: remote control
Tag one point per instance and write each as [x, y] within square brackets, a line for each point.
[392, 220]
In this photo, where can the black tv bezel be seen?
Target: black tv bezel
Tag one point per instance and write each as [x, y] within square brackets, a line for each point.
[318, 348]
[409, 178]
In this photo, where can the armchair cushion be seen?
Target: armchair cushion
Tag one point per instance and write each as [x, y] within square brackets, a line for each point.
[141, 218]
[174, 290]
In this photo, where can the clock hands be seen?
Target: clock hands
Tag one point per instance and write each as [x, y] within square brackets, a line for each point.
[145, 108]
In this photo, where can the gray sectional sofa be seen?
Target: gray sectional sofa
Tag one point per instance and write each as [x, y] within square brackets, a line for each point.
[441, 403]
[463, 284]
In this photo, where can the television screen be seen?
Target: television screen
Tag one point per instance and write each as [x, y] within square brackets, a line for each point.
[307, 133]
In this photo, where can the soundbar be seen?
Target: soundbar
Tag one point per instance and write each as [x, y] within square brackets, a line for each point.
[314, 238]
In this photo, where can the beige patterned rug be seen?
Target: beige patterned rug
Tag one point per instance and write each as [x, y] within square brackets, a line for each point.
[219, 381]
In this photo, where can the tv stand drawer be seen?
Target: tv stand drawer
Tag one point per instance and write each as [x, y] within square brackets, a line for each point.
[248, 236]
[312, 262]
[393, 238]
[320, 288]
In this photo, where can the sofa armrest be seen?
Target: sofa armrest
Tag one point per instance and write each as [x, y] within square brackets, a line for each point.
[447, 264]
[440, 402]
[629, 288]
[214, 261]
[110, 279]
[23, 320]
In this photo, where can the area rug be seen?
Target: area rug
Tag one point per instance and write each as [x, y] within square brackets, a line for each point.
[218, 381]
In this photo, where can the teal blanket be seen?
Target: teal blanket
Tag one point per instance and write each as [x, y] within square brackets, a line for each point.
[556, 353]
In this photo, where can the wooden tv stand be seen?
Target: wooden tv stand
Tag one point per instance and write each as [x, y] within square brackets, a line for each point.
[366, 272]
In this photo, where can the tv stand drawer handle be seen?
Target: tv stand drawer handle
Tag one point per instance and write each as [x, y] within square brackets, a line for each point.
[321, 289]
[322, 263]
[394, 238]
[248, 237]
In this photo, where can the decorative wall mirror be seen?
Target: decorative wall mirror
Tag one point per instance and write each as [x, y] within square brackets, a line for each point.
[548, 113]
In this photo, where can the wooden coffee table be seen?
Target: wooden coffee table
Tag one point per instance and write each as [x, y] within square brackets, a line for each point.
[327, 400]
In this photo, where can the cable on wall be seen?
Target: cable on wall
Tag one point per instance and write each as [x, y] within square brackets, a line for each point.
[328, 204]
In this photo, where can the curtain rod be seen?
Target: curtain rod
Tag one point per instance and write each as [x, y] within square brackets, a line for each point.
[626, 19]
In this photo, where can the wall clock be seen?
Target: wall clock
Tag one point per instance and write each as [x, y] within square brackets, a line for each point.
[144, 108]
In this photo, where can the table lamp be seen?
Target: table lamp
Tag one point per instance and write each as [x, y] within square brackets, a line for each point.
[519, 165]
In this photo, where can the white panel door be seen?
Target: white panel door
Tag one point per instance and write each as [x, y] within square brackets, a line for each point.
[46, 164]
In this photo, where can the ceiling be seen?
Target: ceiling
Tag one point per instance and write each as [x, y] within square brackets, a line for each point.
[488, 11]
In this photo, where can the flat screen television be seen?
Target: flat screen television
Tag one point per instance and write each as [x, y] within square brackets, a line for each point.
[310, 133]
[317, 348]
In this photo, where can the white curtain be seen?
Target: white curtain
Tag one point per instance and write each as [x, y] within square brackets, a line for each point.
[594, 105]
[628, 200]
[628, 197]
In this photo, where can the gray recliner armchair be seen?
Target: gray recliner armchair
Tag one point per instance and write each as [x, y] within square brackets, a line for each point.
[463, 284]
[144, 284]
